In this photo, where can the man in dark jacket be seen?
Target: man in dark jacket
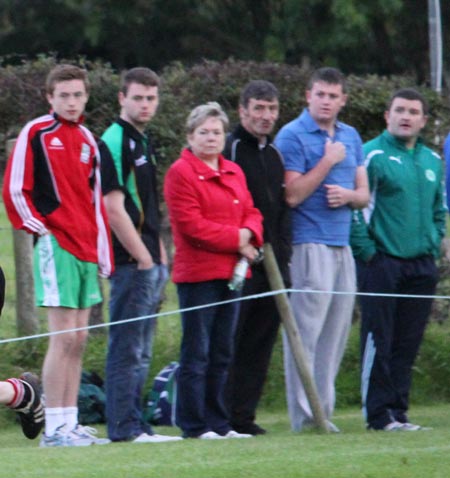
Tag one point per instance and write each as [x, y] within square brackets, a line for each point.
[250, 146]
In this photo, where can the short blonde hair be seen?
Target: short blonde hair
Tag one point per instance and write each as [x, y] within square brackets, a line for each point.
[202, 112]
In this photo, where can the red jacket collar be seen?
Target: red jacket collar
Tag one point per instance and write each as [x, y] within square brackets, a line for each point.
[64, 121]
[201, 168]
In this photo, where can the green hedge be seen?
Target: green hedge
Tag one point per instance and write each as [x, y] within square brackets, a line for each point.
[22, 97]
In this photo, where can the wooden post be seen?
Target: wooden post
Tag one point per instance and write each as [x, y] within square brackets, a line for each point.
[26, 318]
[293, 335]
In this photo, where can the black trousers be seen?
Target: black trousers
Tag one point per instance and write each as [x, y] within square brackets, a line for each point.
[391, 332]
[255, 337]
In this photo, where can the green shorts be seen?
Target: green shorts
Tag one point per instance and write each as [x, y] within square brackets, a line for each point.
[62, 280]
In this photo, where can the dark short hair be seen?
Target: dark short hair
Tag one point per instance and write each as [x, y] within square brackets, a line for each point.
[259, 90]
[329, 75]
[65, 72]
[139, 75]
[409, 94]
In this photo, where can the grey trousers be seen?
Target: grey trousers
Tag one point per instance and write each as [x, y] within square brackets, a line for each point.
[324, 321]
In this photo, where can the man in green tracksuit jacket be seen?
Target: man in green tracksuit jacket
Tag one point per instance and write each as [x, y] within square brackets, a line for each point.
[395, 241]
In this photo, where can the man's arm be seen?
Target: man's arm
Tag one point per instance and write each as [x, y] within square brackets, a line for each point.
[18, 187]
[356, 198]
[300, 186]
[363, 245]
[124, 229]
[163, 252]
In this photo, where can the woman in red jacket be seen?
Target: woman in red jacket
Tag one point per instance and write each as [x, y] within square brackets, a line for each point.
[214, 223]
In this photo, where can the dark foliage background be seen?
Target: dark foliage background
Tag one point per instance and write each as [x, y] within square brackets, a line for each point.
[358, 36]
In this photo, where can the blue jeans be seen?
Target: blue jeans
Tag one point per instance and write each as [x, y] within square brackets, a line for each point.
[206, 352]
[134, 293]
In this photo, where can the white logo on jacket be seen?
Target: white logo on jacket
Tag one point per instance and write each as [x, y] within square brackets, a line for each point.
[56, 143]
[430, 175]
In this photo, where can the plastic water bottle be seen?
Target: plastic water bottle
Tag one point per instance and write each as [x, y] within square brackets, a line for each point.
[240, 271]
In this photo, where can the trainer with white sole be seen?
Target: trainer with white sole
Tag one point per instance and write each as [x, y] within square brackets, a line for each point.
[23, 394]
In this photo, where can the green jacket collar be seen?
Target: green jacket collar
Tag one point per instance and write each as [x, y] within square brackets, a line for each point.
[398, 143]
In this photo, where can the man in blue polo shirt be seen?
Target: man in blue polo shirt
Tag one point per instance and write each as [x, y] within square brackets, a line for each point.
[325, 178]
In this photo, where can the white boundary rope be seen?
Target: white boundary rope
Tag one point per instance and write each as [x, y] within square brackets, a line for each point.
[213, 304]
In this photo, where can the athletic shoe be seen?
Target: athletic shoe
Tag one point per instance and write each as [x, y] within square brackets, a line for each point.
[411, 427]
[62, 437]
[59, 438]
[251, 429]
[146, 438]
[31, 415]
[393, 427]
[210, 436]
[235, 434]
[88, 433]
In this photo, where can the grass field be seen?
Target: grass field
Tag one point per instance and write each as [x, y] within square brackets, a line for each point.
[353, 453]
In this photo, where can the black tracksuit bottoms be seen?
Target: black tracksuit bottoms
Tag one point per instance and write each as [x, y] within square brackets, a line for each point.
[255, 337]
[392, 329]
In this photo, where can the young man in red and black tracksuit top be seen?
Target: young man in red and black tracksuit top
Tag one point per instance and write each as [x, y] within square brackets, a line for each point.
[52, 190]
[250, 146]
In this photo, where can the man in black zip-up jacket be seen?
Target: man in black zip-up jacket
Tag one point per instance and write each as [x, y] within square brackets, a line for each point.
[250, 146]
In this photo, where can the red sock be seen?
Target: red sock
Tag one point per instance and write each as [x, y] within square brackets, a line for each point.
[19, 393]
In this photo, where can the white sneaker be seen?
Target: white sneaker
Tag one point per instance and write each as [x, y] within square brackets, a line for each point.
[235, 434]
[146, 438]
[411, 427]
[394, 427]
[88, 433]
[210, 436]
[62, 437]
[59, 438]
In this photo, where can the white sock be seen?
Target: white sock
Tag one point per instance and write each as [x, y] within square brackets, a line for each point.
[54, 418]
[71, 417]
